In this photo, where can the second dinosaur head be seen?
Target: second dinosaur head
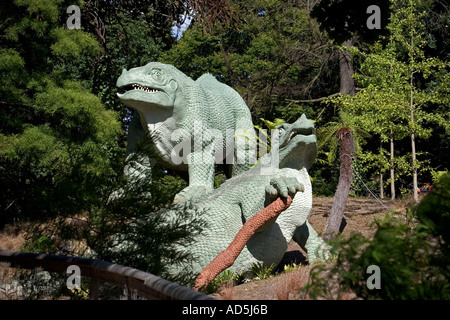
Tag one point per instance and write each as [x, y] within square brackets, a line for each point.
[297, 144]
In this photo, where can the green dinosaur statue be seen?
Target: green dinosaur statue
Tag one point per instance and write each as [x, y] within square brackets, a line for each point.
[208, 119]
[228, 207]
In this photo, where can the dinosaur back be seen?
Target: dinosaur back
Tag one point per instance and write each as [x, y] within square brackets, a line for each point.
[230, 97]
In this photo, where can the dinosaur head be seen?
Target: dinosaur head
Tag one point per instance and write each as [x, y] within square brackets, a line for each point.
[153, 85]
[297, 144]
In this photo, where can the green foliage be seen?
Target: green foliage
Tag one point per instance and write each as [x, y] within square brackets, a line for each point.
[40, 243]
[130, 228]
[437, 175]
[404, 93]
[12, 69]
[70, 44]
[289, 268]
[272, 125]
[275, 53]
[328, 145]
[262, 271]
[259, 271]
[263, 138]
[329, 134]
[58, 143]
[412, 253]
[225, 277]
[127, 223]
[434, 212]
[61, 156]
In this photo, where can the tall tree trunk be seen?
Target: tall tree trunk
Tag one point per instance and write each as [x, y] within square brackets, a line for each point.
[413, 147]
[391, 165]
[411, 106]
[415, 184]
[381, 174]
[347, 84]
[346, 143]
[381, 186]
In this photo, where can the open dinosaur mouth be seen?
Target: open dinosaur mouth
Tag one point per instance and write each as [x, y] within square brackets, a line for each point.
[300, 131]
[136, 86]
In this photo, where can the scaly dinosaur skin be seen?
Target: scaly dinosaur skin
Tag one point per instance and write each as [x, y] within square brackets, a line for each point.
[227, 208]
[172, 106]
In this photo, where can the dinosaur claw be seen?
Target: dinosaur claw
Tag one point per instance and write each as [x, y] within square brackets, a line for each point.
[284, 187]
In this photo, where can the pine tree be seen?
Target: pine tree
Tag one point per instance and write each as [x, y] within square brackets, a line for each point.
[58, 143]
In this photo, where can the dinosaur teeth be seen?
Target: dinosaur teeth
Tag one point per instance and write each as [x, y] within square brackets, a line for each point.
[136, 86]
[291, 135]
[289, 139]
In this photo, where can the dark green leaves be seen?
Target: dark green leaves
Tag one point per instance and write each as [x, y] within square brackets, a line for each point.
[412, 254]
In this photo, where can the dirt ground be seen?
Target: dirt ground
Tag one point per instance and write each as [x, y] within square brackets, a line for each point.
[359, 217]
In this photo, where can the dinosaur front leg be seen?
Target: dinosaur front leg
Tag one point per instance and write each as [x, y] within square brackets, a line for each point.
[201, 175]
[245, 148]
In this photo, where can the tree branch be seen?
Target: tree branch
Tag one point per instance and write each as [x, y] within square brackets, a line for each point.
[15, 104]
[315, 100]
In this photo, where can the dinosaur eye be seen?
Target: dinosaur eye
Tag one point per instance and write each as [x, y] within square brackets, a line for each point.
[156, 74]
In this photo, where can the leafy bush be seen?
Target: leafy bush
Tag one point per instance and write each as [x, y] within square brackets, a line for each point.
[262, 271]
[127, 225]
[132, 228]
[411, 251]
[59, 156]
[224, 278]
[58, 142]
